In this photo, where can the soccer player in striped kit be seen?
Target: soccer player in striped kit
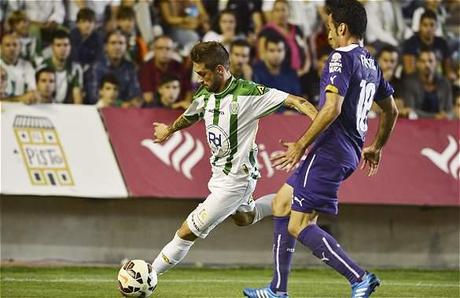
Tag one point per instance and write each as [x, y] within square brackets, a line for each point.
[231, 109]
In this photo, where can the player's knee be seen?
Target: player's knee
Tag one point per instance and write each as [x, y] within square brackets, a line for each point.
[185, 233]
[242, 219]
[281, 205]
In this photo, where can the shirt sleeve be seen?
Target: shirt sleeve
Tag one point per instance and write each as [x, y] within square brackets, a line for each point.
[265, 100]
[384, 88]
[134, 87]
[30, 77]
[339, 67]
[195, 111]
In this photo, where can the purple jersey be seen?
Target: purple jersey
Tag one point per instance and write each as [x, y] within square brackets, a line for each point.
[354, 74]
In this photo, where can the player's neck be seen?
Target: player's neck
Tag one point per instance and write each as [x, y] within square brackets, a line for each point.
[225, 82]
[349, 40]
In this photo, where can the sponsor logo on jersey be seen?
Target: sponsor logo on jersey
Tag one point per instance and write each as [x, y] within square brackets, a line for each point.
[218, 141]
[181, 151]
[335, 65]
[448, 160]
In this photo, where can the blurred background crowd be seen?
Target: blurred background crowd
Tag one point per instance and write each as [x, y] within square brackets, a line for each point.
[135, 53]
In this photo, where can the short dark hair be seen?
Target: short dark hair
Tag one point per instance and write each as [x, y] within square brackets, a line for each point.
[427, 49]
[167, 78]
[113, 32]
[44, 70]
[16, 17]
[60, 34]
[211, 53]
[350, 12]
[86, 14]
[239, 43]
[109, 78]
[429, 14]
[125, 13]
[274, 38]
[388, 49]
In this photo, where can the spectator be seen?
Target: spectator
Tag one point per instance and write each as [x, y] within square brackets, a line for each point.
[126, 22]
[388, 59]
[87, 44]
[108, 92]
[311, 80]
[168, 92]
[150, 72]
[293, 37]
[114, 61]
[3, 83]
[272, 72]
[426, 91]
[457, 106]
[45, 79]
[226, 31]
[45, 16]
[386, 25]
[426, 38]
[43, 13]
[182, 19]
[249, 17]
[435, 6]
[21, 82]
[69, 75]
[30, 46]
[240, 55]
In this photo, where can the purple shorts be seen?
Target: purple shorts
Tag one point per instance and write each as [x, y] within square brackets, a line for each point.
[316, 182]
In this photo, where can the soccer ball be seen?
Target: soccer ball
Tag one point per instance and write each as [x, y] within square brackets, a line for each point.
[137, 279]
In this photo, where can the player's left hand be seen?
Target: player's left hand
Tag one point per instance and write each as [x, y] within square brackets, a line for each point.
[288, 159]
[160, 132]
[371, 157]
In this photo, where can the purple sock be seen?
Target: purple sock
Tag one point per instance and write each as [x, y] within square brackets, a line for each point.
[283, 249]
[326, 248]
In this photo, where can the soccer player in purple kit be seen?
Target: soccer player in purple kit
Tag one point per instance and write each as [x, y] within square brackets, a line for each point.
[350, 81]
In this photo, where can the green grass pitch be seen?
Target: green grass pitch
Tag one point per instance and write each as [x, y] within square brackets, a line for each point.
[203, 282]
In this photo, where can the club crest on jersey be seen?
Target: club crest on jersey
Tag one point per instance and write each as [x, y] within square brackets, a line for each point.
[234, 107]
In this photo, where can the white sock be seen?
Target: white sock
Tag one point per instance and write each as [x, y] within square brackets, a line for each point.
[171, 254]
[263, 207]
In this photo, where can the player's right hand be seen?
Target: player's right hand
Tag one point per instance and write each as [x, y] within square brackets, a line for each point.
[371, 157]
[161, 132]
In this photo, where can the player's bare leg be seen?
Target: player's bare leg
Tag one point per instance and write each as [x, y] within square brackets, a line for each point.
[262, 209]
[174, 251]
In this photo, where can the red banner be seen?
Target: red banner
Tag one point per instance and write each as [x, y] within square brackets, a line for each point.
[420, 164]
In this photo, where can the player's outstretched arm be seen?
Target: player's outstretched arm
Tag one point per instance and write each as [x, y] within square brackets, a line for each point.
[371, 155]
[161, 131]
[329, 112]
[302, 105]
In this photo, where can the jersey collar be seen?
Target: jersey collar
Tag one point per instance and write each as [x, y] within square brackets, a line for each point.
[347, 48]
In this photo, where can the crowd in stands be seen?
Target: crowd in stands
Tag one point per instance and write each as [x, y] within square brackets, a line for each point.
[135, 53]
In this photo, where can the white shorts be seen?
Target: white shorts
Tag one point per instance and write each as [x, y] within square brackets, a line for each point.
[228, 195]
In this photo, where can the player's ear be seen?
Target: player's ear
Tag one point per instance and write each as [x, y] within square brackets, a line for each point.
[220, 69]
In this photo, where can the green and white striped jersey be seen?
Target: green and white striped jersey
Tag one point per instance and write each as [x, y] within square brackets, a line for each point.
[231, 118]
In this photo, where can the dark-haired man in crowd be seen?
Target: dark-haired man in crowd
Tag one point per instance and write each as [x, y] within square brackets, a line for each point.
[69, 75]
[114, 61]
